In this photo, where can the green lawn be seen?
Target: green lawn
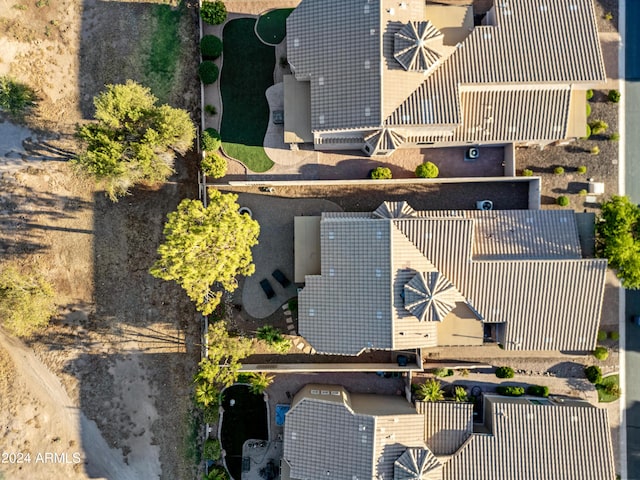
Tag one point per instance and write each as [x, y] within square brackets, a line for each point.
[272, 25]
[603, 396]
[247, 72]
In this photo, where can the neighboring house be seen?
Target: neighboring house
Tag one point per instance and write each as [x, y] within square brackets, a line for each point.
[398, 279]
[378, 75]
[332, 434]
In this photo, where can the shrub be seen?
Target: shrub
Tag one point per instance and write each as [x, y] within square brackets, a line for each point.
[613, 96]
[595, 150]
[210, 47]
[208, 72]
[427, 170]
[443, 372]
[588, 133]
[510, 391]
[380, 173]
[602, 335]
[292, 304]
[504, 372]
[527, 172]
[210, 140]
[613, 389]
[259, 382]
[582, 169]
[601, 353]
[614, 335]
[210, 110]
[583, 193]
[614, 137]
[464, 372]
[598, 127]
[608, 16]
[274, 338]
[538, 391]
[430, 391]
[214, 165]
[15, 97]
[588, 110]
[284, 63]
[214, 13]
[562, 200]
[593, 374]
[589, 94]
[460, 394]
[558, 171]
[212, 449]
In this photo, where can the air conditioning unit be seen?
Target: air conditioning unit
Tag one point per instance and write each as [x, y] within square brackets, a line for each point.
[484, 205]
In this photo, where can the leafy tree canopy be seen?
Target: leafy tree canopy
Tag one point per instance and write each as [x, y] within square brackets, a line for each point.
[214, 165]
[26, 301]
[618, 239]
[206, 248]
[134, 140]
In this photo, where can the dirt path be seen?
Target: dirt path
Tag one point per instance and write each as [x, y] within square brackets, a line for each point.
[50, 423]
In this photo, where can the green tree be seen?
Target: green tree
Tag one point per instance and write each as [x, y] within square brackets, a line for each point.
[214, 13]
[220, 367]
[134, 141]
[427, 170]
[593, 374]
[206, 248]
[259, 382]
[430, 391]
[26, 301]
[214, 165]
[618, 239]
[15, 97]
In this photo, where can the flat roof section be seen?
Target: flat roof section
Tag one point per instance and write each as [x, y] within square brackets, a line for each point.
[306, 247]
[297, 111]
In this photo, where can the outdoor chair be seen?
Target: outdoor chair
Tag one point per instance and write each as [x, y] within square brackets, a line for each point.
[280, 277]
[267, 288]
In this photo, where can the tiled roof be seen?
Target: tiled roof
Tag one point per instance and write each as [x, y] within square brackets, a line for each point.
[417, 464]
[518, 268]
[412, 46]
[447, 425]
[536, 442]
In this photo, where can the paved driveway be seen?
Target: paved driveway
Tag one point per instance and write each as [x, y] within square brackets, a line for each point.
[275, 247]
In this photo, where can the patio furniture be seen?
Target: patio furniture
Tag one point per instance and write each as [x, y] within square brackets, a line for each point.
[281, 278]
[267, 288]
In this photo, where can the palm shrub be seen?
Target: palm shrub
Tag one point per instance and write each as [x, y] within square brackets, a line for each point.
[380, 173]
[207, 394]
[614, 96]
[527, 172]
[208, 72]
[505, 372]
[593, 374]
[538, 391]
[614, 137]
[427, 170]
[212, 449]
[460, 394]
[443, 372]
[601, 353]
[214, 13]
[598, 127]
[258, 382]
[217, 473]
[510, 391]
[210, 47]
[562, 200]
[273, 338]
[430, 391]
[15, 97]
[214, 165]
[210, 140]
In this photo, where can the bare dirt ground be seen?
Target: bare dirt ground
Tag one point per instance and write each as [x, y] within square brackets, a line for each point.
[109, 379]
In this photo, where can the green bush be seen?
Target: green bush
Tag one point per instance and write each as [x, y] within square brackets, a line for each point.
[593, 374]
[292, 304]
[614, 96]
[210, 110]
[602, 335]
[380, 173]
[212, 449]
[614, 335]
[583, 193]
[214, 165]
[214, 13]
[598, 127]
[15, 97]
[588, 110]
[581, 169]
[510, 391]
[595, 150]
[588, 132]
[614, 137]
[504, 372]
[274, 338]
[210, 47]
[601, 353]
[443, 372]
[210, 141]
[538, 391]
[527, 172]
[208, 72]
[562, 200]
[427, 170]
[558, 171]
[589, 94]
